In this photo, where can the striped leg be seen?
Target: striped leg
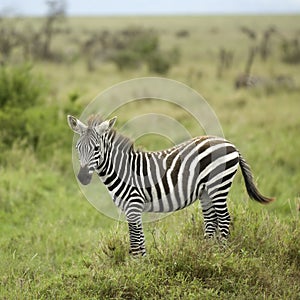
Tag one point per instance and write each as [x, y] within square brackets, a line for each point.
[223, 216]
[134, 218]
[209, 215]
[137, 239]
[219, 196]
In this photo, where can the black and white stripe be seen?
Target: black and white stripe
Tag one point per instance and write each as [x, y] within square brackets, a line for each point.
[163, 181]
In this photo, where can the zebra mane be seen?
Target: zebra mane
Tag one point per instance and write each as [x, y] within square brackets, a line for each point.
[94, 120]
[127, 143]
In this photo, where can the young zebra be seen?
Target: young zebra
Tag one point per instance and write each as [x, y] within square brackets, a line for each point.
[163, 181]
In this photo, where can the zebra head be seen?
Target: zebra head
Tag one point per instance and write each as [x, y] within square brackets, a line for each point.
[90, 145]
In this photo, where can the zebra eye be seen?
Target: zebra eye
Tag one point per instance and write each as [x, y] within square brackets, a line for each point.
[96, 148]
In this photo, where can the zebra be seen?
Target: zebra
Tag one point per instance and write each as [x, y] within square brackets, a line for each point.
[162, 181]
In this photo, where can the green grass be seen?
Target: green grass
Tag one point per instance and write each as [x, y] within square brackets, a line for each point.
[55, 245]
[75, 255]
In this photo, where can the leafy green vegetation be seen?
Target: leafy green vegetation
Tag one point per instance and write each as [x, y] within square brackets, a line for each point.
[55, 245]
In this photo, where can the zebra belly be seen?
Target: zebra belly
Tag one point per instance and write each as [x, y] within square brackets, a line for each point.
[164, 205]
[173, 201]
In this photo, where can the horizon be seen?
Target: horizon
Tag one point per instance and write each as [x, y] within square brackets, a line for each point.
[135, 8]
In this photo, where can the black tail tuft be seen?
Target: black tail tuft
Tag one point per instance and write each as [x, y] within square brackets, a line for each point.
[249, 182]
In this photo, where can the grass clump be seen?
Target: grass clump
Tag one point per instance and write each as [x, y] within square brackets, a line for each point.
[260, 261]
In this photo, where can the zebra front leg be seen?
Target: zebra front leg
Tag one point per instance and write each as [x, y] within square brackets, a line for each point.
[134, 218]
[137, 239]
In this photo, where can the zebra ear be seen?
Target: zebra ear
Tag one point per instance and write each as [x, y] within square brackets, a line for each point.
[112, 122]
[76, 125]
[106, 125]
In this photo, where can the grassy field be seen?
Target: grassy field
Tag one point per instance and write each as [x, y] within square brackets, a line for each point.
[55, 245]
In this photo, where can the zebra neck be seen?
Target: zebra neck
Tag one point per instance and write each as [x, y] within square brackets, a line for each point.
[117, 156]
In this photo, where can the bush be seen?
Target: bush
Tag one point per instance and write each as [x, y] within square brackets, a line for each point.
[19, 91]
[126, 59]
[19, 88]
[291, 51]
[160, 62]
[134, 47]
[27, 122]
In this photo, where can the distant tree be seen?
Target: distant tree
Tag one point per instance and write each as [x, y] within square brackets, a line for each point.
[9, 38]
[225, 61]
[290, 51]
[56, 12]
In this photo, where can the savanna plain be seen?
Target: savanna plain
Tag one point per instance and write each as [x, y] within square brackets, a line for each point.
[55, 245]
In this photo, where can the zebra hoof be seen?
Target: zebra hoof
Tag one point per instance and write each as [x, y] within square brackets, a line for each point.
[137, 253]
[209, 236]
[223, 240]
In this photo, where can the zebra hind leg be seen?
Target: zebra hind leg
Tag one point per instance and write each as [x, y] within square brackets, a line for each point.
[218, 199]
[209, 215]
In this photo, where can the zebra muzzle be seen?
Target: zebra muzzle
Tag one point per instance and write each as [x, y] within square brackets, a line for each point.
[84, 176]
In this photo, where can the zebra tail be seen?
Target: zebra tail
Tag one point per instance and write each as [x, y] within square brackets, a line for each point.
[249, 182]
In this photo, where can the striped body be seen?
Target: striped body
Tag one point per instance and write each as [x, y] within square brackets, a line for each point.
[163, 181]
[172, 179]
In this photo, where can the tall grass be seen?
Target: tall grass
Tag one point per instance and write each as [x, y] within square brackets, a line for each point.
[260, 261]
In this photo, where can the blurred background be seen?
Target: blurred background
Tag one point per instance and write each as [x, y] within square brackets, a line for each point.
[56, 56]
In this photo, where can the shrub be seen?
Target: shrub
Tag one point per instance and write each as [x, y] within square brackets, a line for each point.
[19, 88]
[133, 47]
[159, 63]
[27, 122]
[291, 51]
[126, 59]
